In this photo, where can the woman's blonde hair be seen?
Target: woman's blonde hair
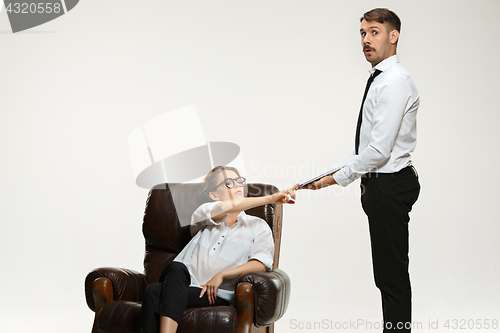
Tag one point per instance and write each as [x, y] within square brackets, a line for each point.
[212, 178]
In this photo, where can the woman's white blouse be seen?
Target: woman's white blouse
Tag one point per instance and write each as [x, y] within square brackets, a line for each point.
[216, 247]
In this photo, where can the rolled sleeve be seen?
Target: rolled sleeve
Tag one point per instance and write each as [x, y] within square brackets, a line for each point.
[263, 246]
[264, 258]
[202, 217]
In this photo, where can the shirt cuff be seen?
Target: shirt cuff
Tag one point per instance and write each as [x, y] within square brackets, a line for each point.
[264, 258]
[341, 178]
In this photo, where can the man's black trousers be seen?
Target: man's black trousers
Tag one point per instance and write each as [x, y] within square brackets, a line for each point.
[387, 199]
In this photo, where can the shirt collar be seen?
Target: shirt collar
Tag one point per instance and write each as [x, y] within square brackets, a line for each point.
[241, 218]
[385, 64]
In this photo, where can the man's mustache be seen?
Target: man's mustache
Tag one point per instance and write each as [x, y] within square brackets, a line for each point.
[367, 47]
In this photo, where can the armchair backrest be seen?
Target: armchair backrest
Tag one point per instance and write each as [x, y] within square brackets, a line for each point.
[166, 225]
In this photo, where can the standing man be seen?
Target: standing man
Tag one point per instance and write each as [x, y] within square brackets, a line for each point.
[385, 137]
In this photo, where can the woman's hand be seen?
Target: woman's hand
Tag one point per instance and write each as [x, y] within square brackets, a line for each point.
[211, 287]
[285, 196]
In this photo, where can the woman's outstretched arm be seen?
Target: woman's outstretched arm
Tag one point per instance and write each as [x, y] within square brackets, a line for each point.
[235, 206]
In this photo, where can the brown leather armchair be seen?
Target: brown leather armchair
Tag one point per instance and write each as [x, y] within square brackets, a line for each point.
[115, 294]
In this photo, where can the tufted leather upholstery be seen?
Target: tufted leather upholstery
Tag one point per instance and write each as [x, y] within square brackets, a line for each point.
[115, 294]
[272, 290]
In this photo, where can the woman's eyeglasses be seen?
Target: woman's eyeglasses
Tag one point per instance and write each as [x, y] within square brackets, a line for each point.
[230, 182]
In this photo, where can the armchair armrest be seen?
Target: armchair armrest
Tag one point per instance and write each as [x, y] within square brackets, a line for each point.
[272, 293]
[126, 284]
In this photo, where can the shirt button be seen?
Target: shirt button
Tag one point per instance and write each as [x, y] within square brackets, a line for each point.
[214, 248]
[218, 243]
[222, 236]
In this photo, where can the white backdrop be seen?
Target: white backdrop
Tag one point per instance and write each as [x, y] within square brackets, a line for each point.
[283, 80]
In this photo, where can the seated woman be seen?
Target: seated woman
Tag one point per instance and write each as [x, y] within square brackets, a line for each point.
[226, 243]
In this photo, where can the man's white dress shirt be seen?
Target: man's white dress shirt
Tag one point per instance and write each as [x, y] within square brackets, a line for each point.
[216, 247]
[389, 130]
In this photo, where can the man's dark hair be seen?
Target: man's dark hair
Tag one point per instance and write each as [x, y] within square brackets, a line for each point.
[383, 15]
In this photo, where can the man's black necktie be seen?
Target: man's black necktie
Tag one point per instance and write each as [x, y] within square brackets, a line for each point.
[360, 117]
